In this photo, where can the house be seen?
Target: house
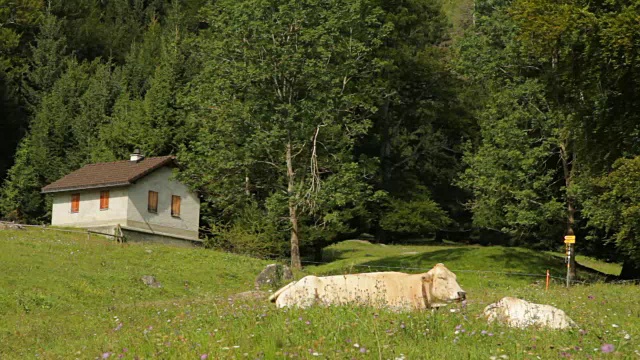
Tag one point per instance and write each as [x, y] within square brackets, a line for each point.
[139, 195]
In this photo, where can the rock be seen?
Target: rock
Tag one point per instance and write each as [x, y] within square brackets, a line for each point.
[519, 313]
[10, 226]
[273, 275]
[151, 281]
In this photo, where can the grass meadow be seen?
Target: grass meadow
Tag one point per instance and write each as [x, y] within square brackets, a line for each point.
[64, 297]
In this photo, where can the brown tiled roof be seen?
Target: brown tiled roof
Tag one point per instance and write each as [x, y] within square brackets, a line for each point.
[110, 174]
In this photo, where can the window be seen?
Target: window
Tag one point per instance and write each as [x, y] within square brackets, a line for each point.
[104, 200]
[75, 203]
[153, 202]
[175, 206]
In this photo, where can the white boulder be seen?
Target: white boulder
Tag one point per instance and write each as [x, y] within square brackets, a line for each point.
[519, 313]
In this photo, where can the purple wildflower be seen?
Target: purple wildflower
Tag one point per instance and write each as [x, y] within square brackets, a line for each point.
[308, 322]
[118, 327]
[607, 348]
[204, 356]
[402, 325]
[590, 297]
[106, 355]
[490, 334]
[363, 349]
[458, 327]
[483, 332]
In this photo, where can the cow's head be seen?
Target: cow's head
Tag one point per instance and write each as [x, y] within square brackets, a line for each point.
[440, 287]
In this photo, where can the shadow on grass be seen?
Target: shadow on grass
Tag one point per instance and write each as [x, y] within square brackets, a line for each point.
[498, 258]
[411, 263]
[329, 255]
[538, 263]
[533, 263]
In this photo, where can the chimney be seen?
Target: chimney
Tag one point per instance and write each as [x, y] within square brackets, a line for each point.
[136, 156]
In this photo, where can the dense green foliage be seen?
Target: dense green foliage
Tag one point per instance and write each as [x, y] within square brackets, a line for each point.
[301, 123]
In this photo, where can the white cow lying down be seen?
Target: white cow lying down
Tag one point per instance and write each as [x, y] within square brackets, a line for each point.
[394, 290]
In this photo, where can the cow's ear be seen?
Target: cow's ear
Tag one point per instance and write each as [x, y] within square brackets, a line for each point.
[427, 277]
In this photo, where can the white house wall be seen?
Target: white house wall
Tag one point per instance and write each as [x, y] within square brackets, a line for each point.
[89, 213]
[162, 222]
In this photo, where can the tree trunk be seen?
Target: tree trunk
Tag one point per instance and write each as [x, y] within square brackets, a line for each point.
[385, 162]
[630, 270]
[293, 213]
[571, 210]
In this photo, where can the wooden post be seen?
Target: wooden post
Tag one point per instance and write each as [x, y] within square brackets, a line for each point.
[119, 234]
[547, 287]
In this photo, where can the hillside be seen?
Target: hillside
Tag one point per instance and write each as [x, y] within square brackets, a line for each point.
[63, 297]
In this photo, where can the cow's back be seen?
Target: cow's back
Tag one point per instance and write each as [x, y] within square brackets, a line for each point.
[383, 289]
[393, 290]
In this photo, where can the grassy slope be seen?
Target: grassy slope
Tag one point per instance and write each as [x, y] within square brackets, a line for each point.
[56, 287]
[61, 297]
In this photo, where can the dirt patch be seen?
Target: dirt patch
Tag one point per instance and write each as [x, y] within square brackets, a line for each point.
[249, 295]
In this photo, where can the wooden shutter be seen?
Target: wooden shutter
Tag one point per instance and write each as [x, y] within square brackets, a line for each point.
[153, 202]
[75, 203]
[104, 200]
[175, 205]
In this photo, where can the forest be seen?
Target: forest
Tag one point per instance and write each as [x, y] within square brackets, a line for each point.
[301, 123]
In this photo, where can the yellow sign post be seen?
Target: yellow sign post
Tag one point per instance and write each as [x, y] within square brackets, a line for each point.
[570, 241]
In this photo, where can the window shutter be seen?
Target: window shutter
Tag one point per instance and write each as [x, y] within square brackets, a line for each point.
[153, 202]
[175, 205]
[75, 203]
[104, 200]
